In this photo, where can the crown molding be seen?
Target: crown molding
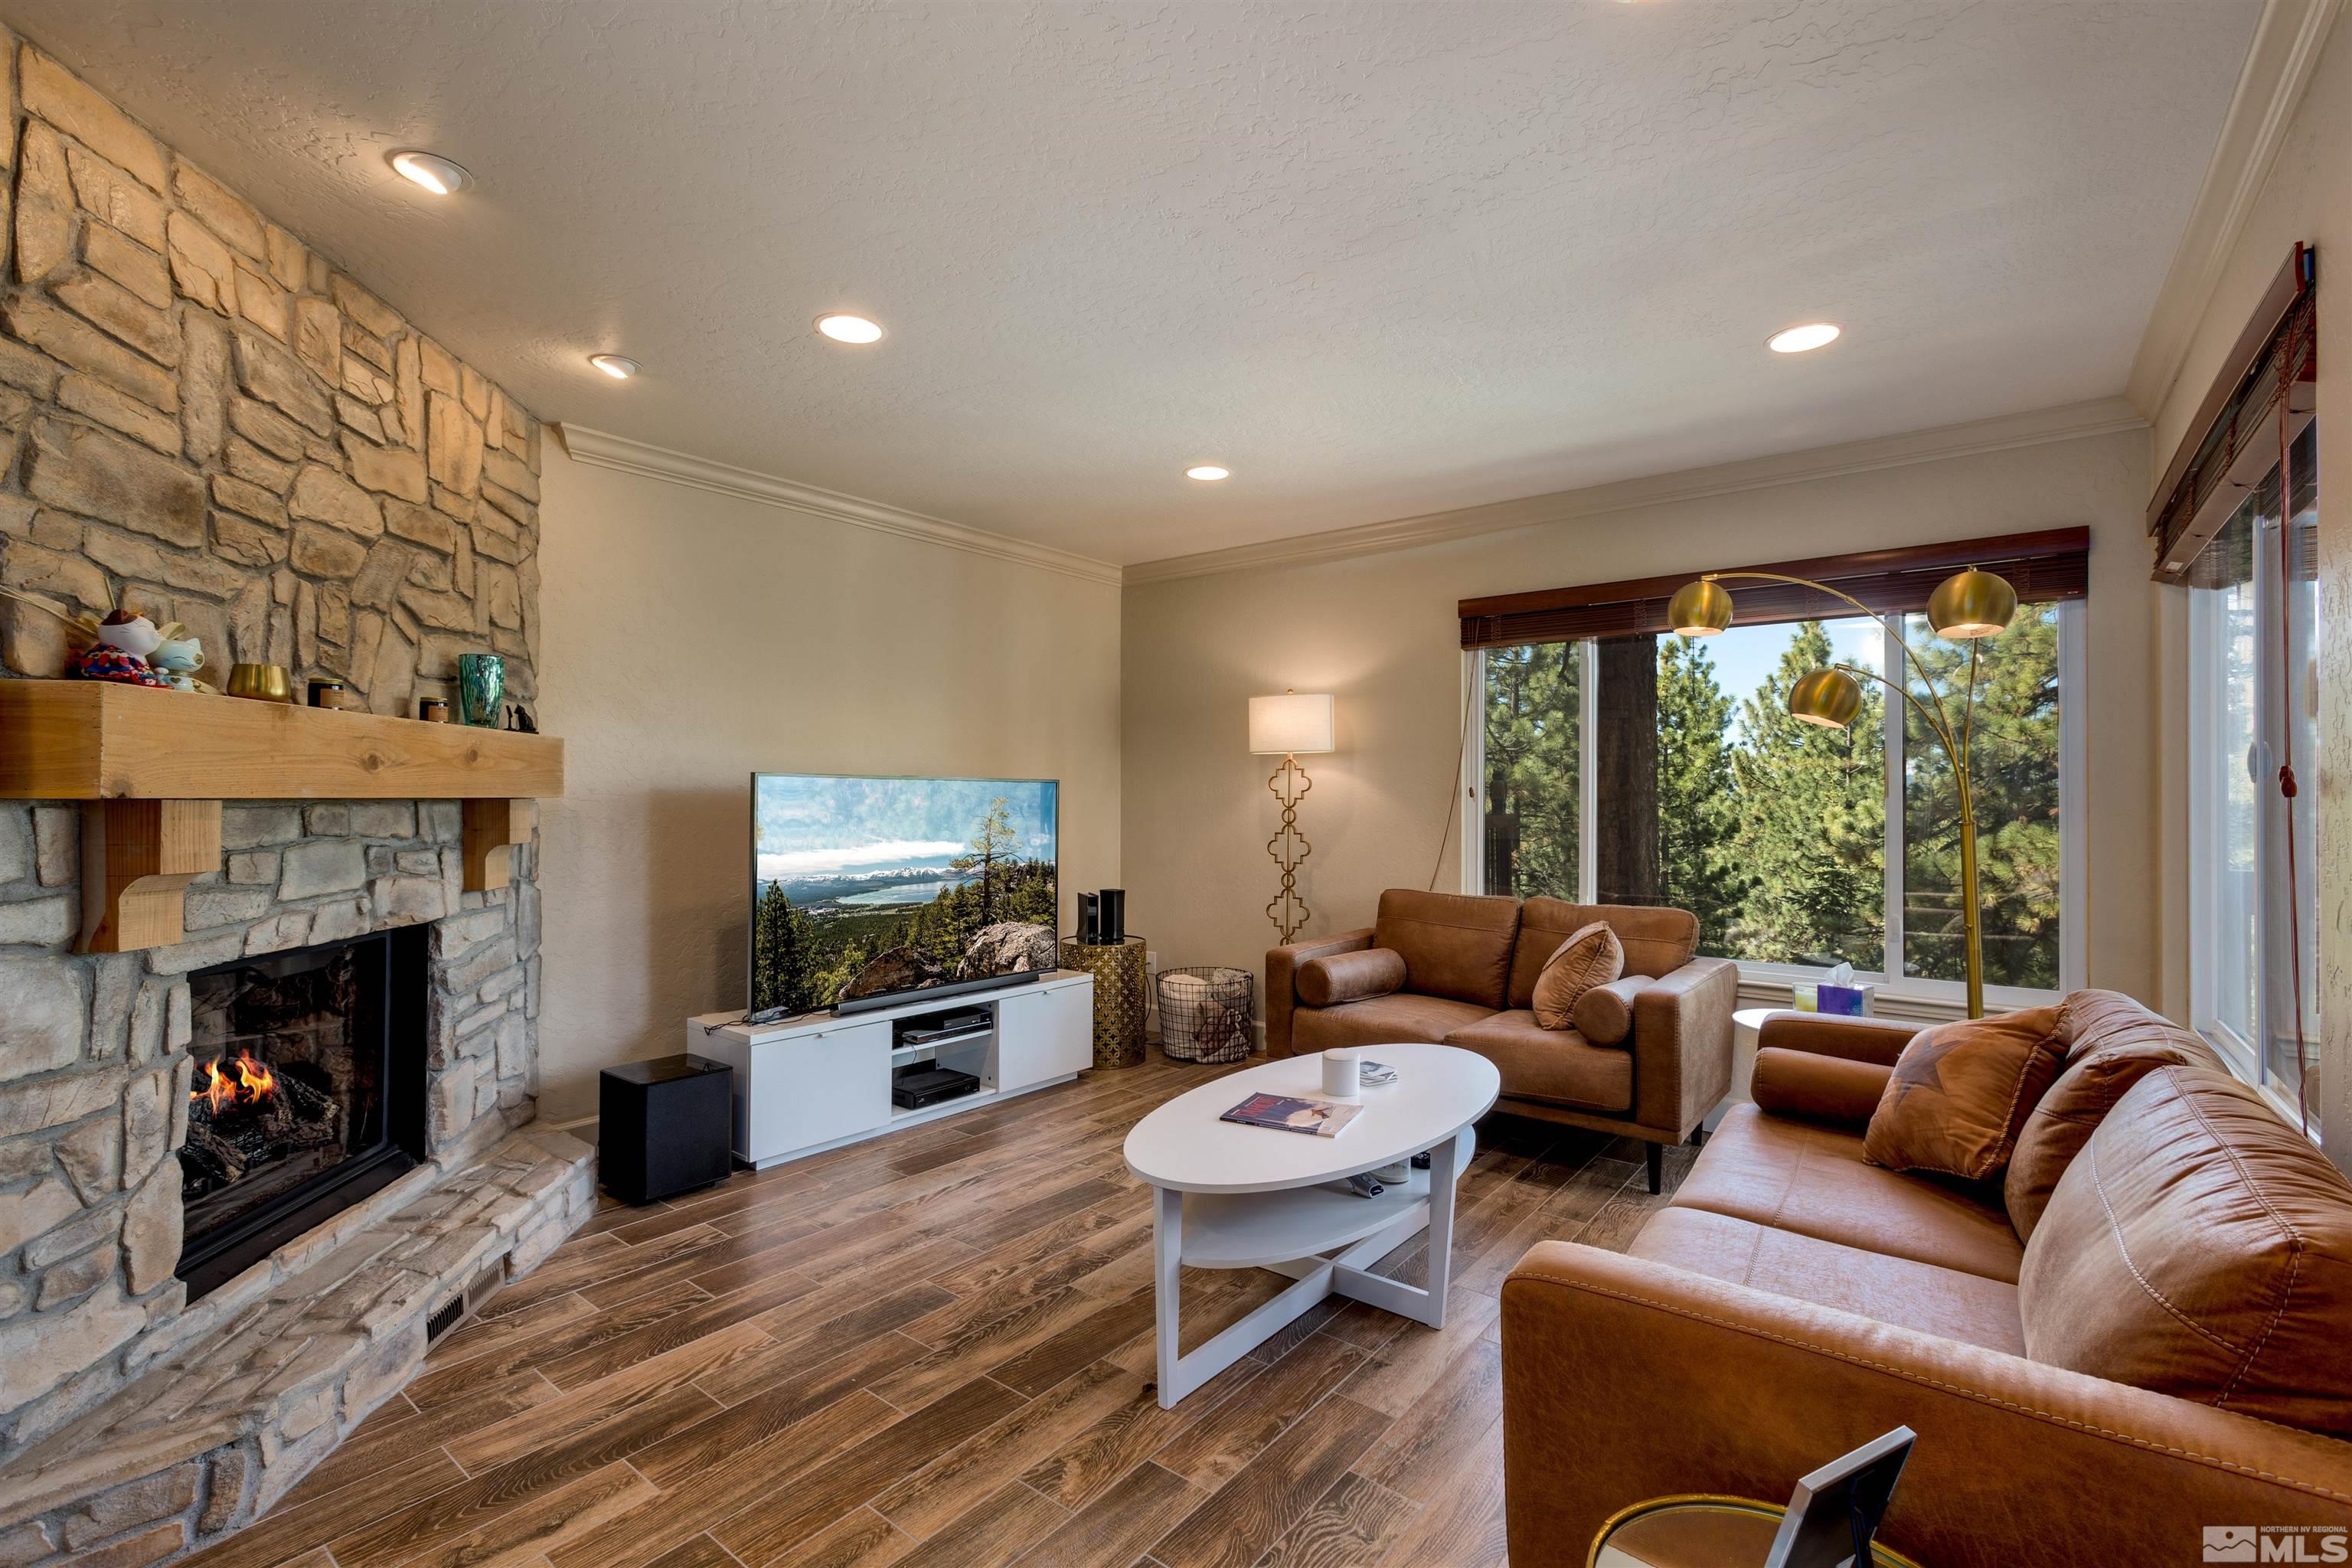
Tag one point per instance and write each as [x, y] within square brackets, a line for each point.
[603, 449]
[2071, 422]
[2279, 62]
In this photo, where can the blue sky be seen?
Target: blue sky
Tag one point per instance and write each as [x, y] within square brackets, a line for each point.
[1745, 656]
[805, 824]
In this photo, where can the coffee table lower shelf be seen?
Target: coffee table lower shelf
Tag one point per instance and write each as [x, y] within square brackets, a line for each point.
[1325, 1238]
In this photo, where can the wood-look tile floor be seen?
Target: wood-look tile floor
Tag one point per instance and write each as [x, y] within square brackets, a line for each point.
[934, 1350]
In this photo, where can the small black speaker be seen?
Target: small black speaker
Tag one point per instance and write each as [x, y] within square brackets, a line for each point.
[1113, 916]
[664, 1127]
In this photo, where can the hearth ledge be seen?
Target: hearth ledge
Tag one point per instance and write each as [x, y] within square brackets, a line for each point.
[263, 1378]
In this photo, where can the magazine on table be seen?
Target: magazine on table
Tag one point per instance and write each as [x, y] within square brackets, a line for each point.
[1294, 1113]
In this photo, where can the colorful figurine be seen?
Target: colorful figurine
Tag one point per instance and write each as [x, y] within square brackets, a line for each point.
[124, 641]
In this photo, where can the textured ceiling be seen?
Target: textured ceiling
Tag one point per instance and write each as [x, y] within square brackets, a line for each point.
[1381, 259]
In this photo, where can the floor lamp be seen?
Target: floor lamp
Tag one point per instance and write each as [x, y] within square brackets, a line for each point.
[1966, 607]
[1289, 726]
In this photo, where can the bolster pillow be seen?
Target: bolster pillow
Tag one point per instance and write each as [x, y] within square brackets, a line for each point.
[1817, 1088]
[1604, 1014]
[1337, 977]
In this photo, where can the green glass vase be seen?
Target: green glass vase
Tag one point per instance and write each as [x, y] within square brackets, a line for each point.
[481, 685]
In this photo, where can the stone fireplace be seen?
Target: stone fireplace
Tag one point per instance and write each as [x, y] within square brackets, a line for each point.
[336, 940]
[243, 1174]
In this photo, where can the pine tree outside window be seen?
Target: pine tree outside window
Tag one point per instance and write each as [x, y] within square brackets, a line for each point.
[1807, 851]
[1533, 792]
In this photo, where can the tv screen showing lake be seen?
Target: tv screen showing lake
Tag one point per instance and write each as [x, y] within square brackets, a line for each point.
[915, 893]
[864, 886]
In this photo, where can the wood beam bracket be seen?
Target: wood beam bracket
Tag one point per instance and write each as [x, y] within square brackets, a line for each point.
[493, 827]
[137, 859]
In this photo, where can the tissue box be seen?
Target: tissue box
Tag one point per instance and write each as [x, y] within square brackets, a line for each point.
[1846, 1001]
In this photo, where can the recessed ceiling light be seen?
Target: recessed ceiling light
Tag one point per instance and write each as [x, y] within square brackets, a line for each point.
[849, 329]
[617, 366]
[432, 170]
[1207, 473]
[1797, 339]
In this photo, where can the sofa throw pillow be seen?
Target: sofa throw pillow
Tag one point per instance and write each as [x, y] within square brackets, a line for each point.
[1337, 977]
[1590, 956]
[2067, 1115]
[2198, 1245]
[1604, 1014]
[1960, 1091]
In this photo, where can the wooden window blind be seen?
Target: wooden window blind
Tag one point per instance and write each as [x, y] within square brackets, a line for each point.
[2271, 373]
[2045, 566]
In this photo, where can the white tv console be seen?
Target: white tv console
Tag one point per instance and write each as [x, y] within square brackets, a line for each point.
[808, 1084]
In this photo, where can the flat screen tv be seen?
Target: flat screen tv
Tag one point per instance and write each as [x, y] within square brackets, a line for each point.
[866, 890]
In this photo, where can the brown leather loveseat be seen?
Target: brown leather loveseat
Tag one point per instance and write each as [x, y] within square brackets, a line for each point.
[1651, 1054]
[2141, 1332]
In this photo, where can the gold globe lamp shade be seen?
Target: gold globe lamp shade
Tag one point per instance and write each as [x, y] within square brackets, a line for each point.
[1828, 698]
[1972, 604]
[1699, 609]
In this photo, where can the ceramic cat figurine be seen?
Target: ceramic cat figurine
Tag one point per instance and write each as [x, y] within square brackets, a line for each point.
[177, 659]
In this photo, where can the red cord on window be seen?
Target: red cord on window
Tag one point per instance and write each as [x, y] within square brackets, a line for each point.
[2303, 1063]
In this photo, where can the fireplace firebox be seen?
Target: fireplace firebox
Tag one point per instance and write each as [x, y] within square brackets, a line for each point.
[309, 1094]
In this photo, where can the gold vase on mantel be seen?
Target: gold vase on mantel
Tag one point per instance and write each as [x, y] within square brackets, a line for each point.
[261, 682]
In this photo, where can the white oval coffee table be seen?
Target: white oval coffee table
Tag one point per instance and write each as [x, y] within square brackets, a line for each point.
[1225, 1196]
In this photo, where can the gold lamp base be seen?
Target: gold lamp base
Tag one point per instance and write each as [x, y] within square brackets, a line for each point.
[1289, 848]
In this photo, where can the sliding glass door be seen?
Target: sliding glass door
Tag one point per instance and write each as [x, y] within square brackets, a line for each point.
[2253, 624]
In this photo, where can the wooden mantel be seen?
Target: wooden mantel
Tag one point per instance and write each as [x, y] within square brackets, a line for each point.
[96, 740]
[153, 767]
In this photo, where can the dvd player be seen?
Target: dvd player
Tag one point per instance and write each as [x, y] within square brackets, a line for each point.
[930, 1085]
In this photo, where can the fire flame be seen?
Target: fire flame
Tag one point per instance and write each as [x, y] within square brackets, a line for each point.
[253, 1084]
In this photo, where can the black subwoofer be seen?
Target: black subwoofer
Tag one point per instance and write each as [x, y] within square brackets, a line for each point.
[664, 1127]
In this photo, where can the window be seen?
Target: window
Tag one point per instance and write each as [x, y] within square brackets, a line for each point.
[1798, 847]
[1533, 772]
[1780, 842]
[2014, 753]
[2253, 612]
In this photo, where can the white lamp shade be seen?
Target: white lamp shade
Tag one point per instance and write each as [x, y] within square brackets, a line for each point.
[1297, 722]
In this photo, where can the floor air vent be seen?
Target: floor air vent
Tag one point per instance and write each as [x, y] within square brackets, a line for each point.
[445, 1317]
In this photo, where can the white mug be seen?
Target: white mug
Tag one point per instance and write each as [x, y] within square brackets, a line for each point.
[1343, 1074]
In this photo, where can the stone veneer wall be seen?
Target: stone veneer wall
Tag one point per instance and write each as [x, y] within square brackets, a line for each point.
[95, 1072]
[200, 412]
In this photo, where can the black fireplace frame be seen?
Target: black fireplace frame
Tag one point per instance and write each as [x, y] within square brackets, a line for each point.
[210, 1261]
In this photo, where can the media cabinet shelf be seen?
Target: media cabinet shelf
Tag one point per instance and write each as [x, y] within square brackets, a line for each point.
[151, 768]
[928, 1050]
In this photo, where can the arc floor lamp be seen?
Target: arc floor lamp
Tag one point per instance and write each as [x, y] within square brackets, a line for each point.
[1968, 606]
[1292, 725]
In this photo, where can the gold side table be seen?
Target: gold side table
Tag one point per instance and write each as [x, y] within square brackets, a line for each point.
[1120, 996]
[1700, 1532]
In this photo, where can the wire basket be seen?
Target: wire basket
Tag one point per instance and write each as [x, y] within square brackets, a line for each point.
[1204, 1014]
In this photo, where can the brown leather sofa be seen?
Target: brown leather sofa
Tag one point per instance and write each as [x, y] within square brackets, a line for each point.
[1650, 1057]
[1794, 1302]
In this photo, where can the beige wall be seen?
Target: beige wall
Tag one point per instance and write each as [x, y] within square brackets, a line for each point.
[2308, 196]
[694, 638]
[1380, 631]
